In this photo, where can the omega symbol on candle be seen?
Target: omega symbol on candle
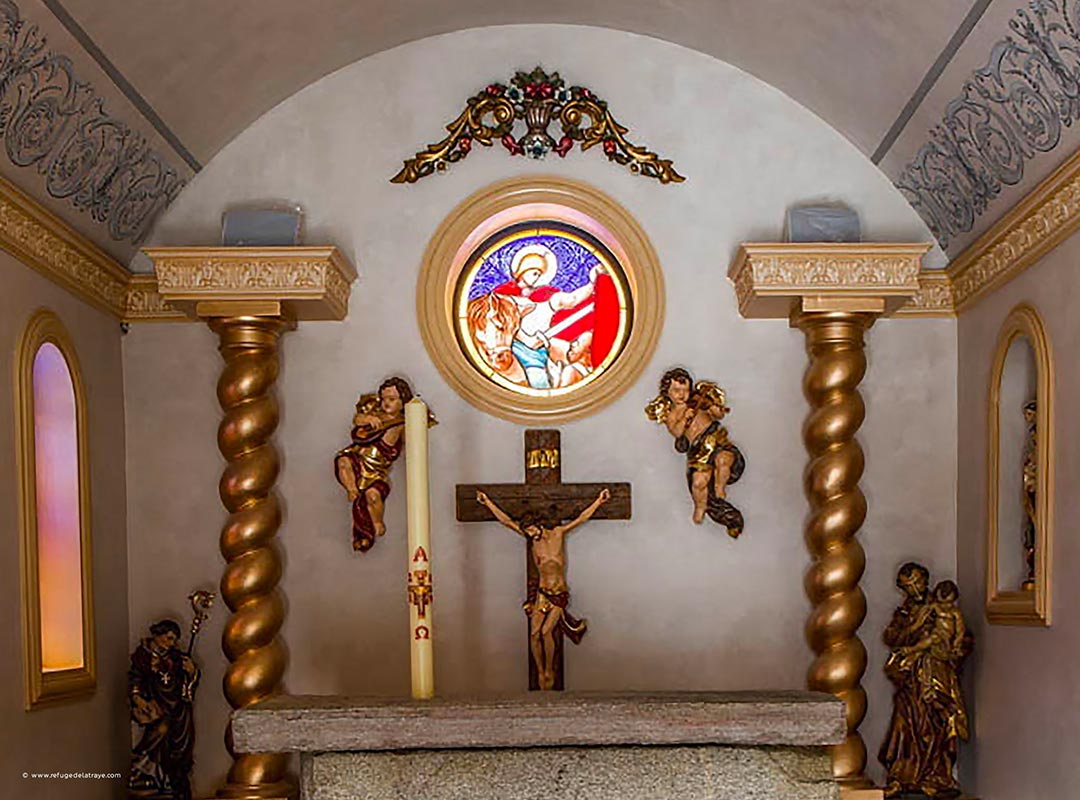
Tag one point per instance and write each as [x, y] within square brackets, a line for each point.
[422, 632]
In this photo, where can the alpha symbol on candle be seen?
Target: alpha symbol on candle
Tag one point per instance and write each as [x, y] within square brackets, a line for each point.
[420, 555]
[422, 632]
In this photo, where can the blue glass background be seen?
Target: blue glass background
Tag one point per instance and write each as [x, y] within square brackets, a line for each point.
[573, 259]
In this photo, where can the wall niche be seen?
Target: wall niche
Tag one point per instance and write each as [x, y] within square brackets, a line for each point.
[1020, 486]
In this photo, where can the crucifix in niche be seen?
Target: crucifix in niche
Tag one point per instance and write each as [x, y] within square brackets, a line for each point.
[544, 510]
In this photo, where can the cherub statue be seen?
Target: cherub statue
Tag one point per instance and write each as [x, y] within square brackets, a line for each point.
[928, 641]
[546, 605]
[363, 468]
[692, 412]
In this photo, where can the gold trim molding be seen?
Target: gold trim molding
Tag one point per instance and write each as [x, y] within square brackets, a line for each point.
[933, 299]
[306, 283]
[143, 302]
[315, 284]
[558, 199]
[43, 242]
[1046, 217]
[1022, 607]
[770, 277]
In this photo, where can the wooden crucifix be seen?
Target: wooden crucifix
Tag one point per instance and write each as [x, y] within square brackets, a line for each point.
[544, 510]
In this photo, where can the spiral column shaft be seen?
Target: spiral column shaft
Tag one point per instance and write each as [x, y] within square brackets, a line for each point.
[249, 346]
[835, 346]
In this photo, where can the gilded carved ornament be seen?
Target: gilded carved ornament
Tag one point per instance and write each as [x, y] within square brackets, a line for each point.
[768, 276]
[536, 99]
[313, 282]
[1046, 217]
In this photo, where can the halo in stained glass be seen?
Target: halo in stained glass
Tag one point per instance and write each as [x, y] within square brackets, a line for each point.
[542, 308]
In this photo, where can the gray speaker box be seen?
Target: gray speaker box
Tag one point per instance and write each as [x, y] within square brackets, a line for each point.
[262, 226]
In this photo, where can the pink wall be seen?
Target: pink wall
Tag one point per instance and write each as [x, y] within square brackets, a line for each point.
[1024, 683]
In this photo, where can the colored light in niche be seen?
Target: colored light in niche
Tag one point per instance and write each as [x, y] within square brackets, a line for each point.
[56, 459]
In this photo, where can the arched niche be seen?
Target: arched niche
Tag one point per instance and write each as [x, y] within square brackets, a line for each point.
[1020, 485]
[54, 514]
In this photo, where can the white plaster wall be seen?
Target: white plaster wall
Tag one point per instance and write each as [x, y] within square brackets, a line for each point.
[1024, 682]
[670, 605]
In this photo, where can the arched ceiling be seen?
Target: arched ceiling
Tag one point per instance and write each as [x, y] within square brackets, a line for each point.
[191, 75]
[210, 68]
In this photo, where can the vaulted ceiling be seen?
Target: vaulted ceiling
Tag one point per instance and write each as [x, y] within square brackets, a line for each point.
[963, 103]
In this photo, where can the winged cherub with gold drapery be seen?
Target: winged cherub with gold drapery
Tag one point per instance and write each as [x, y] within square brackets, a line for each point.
[692, 412]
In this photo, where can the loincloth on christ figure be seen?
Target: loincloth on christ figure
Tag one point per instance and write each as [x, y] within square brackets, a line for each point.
[570, 625]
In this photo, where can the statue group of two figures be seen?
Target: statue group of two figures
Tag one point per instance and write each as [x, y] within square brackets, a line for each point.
[928, 644]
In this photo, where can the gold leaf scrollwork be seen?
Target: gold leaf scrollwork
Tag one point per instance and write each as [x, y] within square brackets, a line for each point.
[535, 99]
[469, 127]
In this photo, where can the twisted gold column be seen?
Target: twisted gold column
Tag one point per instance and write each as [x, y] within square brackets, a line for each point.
[837, 509]
[256, 655]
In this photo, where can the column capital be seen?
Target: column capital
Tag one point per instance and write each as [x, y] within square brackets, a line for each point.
[304, 283]
[774, 280]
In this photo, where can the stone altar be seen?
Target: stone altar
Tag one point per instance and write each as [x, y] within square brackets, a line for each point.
[571, 746]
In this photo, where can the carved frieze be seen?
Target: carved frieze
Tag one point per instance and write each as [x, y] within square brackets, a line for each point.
[769, 276]
[314, 282]
[44, 243]
[1044, 219]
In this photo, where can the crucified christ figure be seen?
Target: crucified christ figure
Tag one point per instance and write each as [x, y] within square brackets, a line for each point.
[547, 612]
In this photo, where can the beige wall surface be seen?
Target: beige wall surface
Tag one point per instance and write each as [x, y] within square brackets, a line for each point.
[1025, 681]
[88, 735]
[671, 605]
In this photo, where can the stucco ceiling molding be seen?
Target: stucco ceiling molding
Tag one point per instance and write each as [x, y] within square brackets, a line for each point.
[1008, 111]
[768, 276]
[144, 302]
[1036, 225]
[46, 244]
[57, 126]
[312, 283]
[933, 299]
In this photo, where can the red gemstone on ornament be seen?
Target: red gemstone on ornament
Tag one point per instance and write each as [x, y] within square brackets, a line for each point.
[511, 144]
[465, 144]
[531, 89]
[547, 90]
[494, 90]
[609, 147]
[564, 145]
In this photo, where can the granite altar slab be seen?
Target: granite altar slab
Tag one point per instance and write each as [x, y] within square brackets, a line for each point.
[555, 746]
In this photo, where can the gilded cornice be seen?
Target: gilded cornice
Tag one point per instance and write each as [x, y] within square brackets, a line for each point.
[934, 298]
[769, 277]
[43, 242]
[1036, 225]
[145, 304]
[310, 282]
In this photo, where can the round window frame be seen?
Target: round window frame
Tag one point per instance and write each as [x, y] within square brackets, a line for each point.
[496, 207]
